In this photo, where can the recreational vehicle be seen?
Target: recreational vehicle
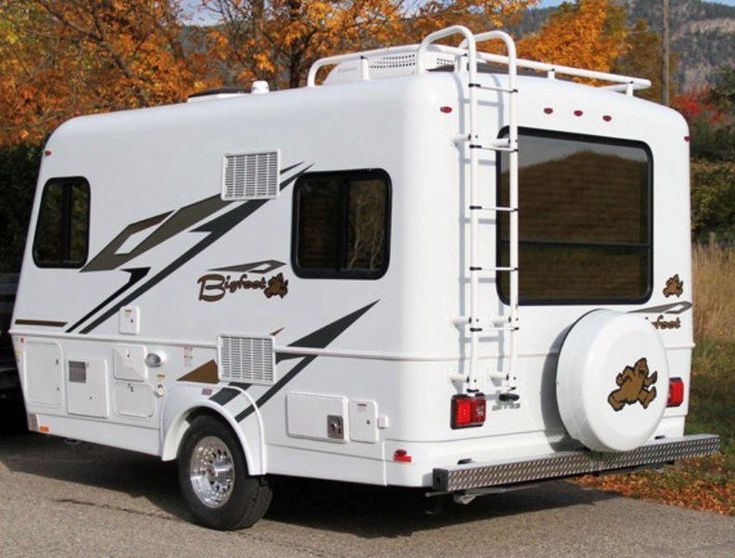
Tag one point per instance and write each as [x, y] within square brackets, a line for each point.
[423, 269]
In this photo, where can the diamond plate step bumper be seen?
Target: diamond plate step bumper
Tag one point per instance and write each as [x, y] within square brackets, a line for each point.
[570, 463]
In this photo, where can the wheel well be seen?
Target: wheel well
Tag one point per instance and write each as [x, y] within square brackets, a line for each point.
[177, 431]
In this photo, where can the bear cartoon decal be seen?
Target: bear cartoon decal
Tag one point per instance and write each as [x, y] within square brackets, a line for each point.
[635, 385]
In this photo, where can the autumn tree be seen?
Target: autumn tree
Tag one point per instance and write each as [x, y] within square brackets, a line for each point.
[66, 57]
[589, 34]
[279, 40]
[642, 57]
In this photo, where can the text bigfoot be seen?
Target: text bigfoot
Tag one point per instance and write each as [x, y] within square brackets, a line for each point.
[214, 287]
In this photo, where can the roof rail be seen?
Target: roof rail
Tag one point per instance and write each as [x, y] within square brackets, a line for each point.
[614, 82]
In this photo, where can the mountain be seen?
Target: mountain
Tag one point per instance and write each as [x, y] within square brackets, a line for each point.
[702, 34]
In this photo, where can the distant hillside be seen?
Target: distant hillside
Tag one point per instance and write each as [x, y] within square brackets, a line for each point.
[702, 33]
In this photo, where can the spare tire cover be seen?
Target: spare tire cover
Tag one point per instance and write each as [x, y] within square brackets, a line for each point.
[612, 381]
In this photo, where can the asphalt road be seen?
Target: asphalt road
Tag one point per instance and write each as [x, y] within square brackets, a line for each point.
[82, 500]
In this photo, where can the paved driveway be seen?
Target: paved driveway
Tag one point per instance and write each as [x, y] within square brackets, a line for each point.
[85, 500]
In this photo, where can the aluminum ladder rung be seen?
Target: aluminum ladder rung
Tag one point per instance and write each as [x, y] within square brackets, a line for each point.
[493, 269]
[499, 89]
[493, 148]
[496, 322]
[493, 209]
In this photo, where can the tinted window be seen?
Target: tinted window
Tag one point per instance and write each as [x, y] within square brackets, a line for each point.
[62, 233]
[341, 222]
[584, 219]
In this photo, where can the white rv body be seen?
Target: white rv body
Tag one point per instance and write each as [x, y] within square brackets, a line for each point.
[365, 369]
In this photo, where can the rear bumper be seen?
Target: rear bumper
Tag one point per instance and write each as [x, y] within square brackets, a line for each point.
[570, 463]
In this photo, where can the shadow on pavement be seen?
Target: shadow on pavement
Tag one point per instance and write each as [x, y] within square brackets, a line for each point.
[366, 512]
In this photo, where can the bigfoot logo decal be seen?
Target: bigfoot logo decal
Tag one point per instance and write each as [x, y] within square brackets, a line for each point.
[674, 287]
[215, 286]
[635, 385]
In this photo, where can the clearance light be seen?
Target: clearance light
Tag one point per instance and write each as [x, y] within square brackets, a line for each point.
[578, 112]
[607, 118]
[687, 139]
[468, 411]
[676, 392]
[446, 110]
[548, 110]
[401, 455]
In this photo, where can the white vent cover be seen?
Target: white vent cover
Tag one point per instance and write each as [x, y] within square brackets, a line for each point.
[246, 359]
[250, 176]
[389, 65]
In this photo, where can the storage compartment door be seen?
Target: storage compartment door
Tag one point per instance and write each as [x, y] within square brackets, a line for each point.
[42, 373]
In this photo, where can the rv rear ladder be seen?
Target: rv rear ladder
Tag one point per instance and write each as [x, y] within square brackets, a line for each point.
[509, 144]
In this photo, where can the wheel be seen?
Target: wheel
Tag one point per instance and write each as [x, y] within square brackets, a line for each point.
[12, 414]
[214, 478]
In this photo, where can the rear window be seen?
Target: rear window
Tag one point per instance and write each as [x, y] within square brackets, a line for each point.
[585, 222]
[62, 233]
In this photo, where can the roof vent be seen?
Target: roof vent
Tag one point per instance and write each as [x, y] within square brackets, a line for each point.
[216, 94]
[250, 176]
[260, 87]
[387, 65]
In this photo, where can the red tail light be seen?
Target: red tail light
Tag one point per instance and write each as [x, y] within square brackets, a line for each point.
[676, 392]
[468, 411]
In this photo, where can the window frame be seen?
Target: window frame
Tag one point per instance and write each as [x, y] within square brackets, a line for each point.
[346, 177]
[588, 138]
[66, 182]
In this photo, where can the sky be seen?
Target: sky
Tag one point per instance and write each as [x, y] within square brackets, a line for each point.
[546, 3]
[205, 18]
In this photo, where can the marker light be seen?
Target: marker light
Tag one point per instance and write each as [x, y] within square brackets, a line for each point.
[401, 455]
[468, 411]
[607, 118]
[578, 112]
[446, 110]
[676, 392]
[548, 110]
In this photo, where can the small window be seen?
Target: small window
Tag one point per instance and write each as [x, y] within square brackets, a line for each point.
[585, 220]
[341, 224]
[62, 233]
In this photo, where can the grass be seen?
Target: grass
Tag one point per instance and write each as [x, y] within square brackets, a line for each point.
[702, 483]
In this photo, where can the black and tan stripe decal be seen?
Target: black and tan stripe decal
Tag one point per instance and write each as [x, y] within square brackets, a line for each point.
[319, 339]
[41, 323]
[180, 221]
[136, 274]
[673, 308]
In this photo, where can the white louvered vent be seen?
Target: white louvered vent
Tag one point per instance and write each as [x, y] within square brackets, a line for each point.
[250, 176]
[246, 359]
[389, 65]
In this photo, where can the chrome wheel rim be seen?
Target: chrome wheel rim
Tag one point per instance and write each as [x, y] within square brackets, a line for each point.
[212, 472]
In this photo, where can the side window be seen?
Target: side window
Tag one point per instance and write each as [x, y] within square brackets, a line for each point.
[341, 224]
[585, 219]
[62, 232]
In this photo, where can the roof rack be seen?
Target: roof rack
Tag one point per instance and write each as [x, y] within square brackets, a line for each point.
[369, 63]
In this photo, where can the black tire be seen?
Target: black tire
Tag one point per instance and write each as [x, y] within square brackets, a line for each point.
[249, 496]
[13, 418]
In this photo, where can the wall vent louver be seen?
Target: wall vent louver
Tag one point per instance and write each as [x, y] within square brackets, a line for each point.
[250, 176]
[246, 359]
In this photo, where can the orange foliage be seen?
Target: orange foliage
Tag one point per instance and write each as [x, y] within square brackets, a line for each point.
[279, 40]
[60, 58]
[705, 484]
[589, 34]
